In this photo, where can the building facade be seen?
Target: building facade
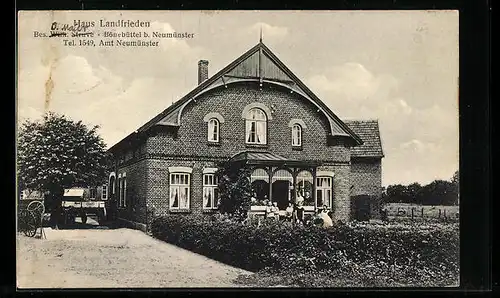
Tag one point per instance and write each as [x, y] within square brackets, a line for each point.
[257, 113]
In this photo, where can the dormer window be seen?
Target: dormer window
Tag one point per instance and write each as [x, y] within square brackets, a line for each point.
[256, 127]
[296, 135]
[213, 130]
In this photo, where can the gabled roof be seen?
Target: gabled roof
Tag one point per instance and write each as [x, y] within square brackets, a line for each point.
[257, 64]
[369, 132]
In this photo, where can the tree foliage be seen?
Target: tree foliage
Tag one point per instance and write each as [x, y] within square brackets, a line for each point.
[234, 190]
[438, 192]
[57, 153]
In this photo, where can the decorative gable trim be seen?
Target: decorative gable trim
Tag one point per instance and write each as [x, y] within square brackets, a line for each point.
[269, 70]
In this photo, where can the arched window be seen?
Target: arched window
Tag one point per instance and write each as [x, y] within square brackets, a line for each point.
[213, 130]
[296, 135]
[256, 127]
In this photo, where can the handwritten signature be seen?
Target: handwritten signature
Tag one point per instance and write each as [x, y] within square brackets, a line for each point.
[78, 29]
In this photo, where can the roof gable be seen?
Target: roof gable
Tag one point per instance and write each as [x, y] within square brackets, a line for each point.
[369, 132]
[257, 64]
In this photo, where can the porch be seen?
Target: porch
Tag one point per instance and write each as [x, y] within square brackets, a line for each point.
[281, 180]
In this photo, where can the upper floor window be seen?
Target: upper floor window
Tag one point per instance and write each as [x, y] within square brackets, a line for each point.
[296, 135]
[256, 127]
[213, 130]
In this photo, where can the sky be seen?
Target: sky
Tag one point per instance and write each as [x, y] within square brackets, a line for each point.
[400, 67]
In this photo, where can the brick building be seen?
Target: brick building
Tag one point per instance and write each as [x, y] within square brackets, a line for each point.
[254, 111]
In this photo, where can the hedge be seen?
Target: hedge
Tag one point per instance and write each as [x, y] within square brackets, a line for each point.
[273, 245]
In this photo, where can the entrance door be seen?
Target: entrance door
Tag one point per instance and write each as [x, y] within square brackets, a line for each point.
[280, 193]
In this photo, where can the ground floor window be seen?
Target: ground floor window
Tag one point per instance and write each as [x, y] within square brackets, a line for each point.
[104, 194]
[305, 187]
[210, 191]
[179, 190]
[324, 191]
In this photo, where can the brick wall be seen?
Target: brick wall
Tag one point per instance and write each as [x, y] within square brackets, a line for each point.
[191, 139]
[136, 193]
[189, 147]
[158, 190]
[341, 189]
[366, 177]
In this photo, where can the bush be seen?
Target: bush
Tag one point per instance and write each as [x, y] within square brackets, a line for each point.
[409, 250]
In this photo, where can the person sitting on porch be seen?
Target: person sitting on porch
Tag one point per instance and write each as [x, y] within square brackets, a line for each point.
[270, 210]
[276, 210]
[289, 211]
[299, 211]
[300, 199]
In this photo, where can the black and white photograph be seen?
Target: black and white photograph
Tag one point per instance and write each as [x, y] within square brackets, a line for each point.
[237, 149]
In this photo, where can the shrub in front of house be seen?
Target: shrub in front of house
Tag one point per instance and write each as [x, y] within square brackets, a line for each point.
[277, 246]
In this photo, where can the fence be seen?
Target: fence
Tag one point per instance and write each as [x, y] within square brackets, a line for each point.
[416, 212]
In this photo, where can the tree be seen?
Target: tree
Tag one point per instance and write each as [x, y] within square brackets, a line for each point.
[57, 153]
[413, 193]
[456, 183]
[439, 192]
[396, 194]
[235, 190]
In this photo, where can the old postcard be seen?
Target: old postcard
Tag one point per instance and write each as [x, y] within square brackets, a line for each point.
[166, 149]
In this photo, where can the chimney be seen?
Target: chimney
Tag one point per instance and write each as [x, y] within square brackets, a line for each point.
[202, 71]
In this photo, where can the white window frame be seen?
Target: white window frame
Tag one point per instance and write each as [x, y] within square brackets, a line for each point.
[210, 186]
[326, 190]
[124, 190]
[210, 130]
[104, 194]
[93, 192]
[179, 187]
[260, 126]
[296, 135]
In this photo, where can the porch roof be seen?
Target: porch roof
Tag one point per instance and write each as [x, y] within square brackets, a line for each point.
[270, 159]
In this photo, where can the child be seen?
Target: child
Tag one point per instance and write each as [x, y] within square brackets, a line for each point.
[299, 211]
[276, 210]
[269, 210]
[289, 211]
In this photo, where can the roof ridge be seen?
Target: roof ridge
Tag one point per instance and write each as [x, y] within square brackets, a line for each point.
[361, 120]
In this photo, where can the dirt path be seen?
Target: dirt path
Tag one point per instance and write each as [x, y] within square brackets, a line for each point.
[114, 258]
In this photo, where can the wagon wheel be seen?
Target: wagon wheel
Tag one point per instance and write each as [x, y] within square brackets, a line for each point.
[36, 207]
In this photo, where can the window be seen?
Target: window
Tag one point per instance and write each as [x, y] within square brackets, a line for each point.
[122, 190]
[210, 191]
[296, 135]
[324, 191]
[93, 192]
[256, 127]
[213, 130]
[104, 192]
[179, 190]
